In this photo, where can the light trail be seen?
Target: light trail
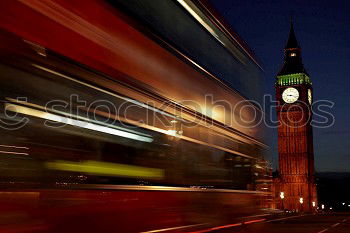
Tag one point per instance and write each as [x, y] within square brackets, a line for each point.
[78, 123]
[106, 169]
[16, 147]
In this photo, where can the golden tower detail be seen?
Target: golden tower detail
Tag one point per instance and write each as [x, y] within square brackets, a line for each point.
[295, 187]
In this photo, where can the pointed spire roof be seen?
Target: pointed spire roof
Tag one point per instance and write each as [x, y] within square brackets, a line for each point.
[292, 56]
[292, 40]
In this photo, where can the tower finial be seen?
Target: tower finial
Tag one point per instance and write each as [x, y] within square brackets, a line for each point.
[292, 42]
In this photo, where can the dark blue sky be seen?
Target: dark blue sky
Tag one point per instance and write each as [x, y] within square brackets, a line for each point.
[323, 31]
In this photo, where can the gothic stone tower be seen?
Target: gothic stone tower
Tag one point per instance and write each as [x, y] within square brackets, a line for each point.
[295, 189]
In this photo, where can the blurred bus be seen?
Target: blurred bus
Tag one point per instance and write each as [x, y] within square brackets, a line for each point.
[127, 116]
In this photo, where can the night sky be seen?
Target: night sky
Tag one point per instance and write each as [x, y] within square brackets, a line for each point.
[323, 31]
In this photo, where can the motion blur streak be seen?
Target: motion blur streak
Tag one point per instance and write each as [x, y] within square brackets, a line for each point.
[254, 221]
[219, 228]
[211, 28]
[11, 152]
[198, 18]
[175, 228]
[106, 169]
[227, 226]
[230, 225]
[16, 147]
[69, 121]
[104, 91]
[172, 155]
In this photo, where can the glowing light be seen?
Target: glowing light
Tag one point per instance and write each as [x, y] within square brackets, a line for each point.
[226, 226]
[199, 19]
[290, 79]
[171, 132]
[38, 48]
[106, 169]
[313, 204]
[223, 37]
[175, 228]
[330, 208]
[219, 228]
[301, 200]
[254, 221]
[282, 195]
[343, 203]
[322, 206]
[16, 147]
[12, 152]
[174, 133]
[78, 123]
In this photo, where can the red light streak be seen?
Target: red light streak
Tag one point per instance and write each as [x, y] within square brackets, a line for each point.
[230, 225]
[254, 221]
[219, 228]
[226, 226]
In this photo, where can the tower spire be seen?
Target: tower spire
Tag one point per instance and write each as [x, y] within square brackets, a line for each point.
[292, 55]
[292, 42]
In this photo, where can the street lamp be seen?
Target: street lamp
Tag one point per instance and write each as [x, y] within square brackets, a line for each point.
[282, 197]
[301, 200]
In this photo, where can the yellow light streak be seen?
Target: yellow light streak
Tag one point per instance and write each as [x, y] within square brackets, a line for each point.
[106, 169]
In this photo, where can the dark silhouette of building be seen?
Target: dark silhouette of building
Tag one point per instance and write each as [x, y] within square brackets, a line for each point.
[294, 184]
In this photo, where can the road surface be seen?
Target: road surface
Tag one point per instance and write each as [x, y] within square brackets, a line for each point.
[326, 223]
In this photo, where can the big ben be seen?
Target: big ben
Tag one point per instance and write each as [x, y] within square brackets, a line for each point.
[296, 188]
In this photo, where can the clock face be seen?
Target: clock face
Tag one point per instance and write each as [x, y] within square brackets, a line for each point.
[309, 95]
[290, 95]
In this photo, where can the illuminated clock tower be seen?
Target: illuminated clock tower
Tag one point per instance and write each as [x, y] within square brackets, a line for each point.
[295, 188]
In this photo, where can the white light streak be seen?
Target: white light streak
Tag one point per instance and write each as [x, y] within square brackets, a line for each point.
[16, 147]
[73, 122]
[12, 152]
[104, 91]
[199, 19]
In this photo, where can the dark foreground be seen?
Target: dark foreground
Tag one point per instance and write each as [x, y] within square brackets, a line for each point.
[328, 223]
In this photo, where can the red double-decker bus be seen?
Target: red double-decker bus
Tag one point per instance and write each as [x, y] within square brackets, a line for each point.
[112, 122]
